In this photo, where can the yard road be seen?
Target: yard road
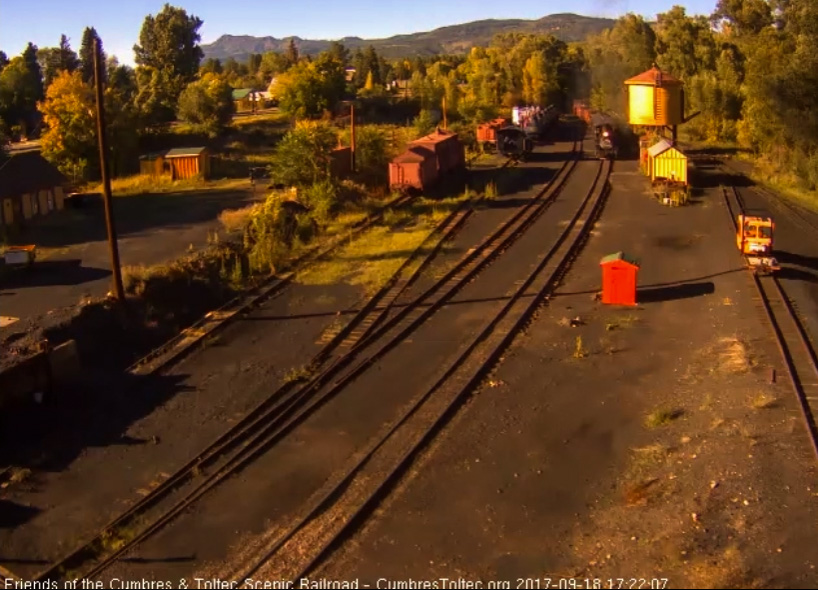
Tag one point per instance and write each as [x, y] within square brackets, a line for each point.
[74, 260]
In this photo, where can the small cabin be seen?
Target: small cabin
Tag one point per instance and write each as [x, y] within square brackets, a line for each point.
[186, 163]
[415, 168]
[666, 162]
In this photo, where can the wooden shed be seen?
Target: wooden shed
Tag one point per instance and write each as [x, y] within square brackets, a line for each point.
[415, 168]
[619, 279]
[188, 163]
[152, 164]
[666, 162]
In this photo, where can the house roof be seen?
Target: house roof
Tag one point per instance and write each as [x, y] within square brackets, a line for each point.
[436, 137]
[152, 156]
[241, 93]
[184, 152]
[414, 154]
[619, 256]
[659, 147]
[28, 172]
[654, 77]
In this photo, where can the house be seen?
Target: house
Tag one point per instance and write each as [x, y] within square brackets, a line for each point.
[179, 163]
[29, 187]
[241, 96]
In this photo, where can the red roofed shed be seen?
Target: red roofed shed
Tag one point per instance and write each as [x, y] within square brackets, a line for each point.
[619, 279]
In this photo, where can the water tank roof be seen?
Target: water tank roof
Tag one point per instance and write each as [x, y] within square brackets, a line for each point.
[654, 77]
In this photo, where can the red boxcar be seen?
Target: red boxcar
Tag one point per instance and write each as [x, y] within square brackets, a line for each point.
[449, 152]
[415, 168]
[487, 132]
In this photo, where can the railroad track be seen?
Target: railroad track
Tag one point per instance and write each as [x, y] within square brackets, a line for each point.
[795, 346]
[795, 213]
[334, 512]
[268, 423]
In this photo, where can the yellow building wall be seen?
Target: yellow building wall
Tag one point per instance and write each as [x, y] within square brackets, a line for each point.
[8, 211]
[59, 198]
[671, 165]
[669, 105]
[42, 198]
[640, 105]
[27, 210]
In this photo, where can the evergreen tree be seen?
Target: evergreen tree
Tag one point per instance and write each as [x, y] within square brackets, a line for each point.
[292, 52]
[87, 55]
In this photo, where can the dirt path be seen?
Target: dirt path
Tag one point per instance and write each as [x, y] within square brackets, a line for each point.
[644, 444]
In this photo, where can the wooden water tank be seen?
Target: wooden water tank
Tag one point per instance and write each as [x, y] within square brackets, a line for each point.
[655, 99]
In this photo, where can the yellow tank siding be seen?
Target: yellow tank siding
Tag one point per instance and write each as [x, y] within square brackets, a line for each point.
[640, 105]
[669, 106]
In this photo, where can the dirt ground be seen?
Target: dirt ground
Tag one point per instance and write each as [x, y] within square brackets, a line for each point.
[164, 422]
[644, 444]
[75, 261]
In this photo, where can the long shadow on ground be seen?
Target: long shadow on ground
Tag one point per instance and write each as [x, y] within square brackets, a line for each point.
[681, 291]
[51, 273]
[132, 215]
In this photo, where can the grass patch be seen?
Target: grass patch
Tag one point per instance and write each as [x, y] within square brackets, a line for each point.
[733, 357]
[645, 461]
[662, 416]
[764, 401]
[142, 184]
[579, 350]
[19, 475]
[236, 219]
[373, 258]
[298, 374]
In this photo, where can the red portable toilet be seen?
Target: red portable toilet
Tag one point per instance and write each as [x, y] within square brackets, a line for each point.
[619, 279]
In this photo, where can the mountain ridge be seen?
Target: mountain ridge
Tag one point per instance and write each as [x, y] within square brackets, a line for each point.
[458, 38]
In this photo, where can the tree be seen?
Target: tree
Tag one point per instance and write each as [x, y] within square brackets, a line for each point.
[4, 60]
[309, 88]
[685, 45]
[302, 157]
[207, 102]
[292, 52]
[21, 86]
[211, 66]
[339, 52]
[272, 63]
[168, 57]
[69, 116]
[743, 16]
[87, 54]
[54, 60]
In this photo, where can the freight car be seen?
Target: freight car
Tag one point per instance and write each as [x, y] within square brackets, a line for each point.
[426, 161]
[535, 121]
[487, 132]
[512, 142]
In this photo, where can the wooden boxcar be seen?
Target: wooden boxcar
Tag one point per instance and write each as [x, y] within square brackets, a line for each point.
[487, 132]
[449, 152]
[416, 168]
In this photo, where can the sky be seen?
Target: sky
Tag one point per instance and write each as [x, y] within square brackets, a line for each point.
[118, 22]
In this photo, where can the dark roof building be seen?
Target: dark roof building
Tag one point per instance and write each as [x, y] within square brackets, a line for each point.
[29, 186]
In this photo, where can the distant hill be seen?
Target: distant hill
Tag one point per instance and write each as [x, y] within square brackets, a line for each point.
[453, 39]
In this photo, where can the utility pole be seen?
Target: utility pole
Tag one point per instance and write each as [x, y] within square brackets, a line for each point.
[119, 291]
[352, 135]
